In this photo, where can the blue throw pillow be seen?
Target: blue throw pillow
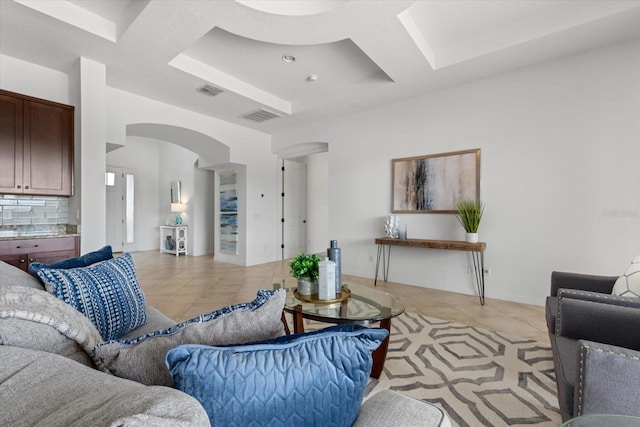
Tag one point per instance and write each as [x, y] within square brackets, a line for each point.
[312, 379]
[107, 293]
[85, 260]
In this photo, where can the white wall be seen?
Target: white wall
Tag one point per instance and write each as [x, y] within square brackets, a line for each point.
[90, 152]
[177, 164]
[203, 213]
[33, 80]
[559, 174]
[318, 238]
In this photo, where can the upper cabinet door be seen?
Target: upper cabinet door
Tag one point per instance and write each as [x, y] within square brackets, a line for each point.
[10, 144]
[48, 149]
[36, 146]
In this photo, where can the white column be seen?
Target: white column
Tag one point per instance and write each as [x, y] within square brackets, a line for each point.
[87, 89]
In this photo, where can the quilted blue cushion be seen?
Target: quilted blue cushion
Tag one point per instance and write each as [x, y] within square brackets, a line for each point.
[312, 379]
[107, 293]
[85, 260]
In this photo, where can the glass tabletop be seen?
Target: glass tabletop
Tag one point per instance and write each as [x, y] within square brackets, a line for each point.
[599, 420]
[364, 304]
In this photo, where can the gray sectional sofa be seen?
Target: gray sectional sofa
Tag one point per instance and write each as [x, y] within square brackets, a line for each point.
[596, 345]
[48, 377]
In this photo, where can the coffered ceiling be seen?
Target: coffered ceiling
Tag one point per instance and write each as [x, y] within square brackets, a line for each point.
[341, 55]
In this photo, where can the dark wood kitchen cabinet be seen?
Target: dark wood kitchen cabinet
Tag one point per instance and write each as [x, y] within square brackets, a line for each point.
[36, 146]
[22, 252]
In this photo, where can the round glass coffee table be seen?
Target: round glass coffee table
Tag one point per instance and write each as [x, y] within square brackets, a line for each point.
[365, 305]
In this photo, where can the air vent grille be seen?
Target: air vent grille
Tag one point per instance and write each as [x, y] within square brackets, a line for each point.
[210, 90]
[260, 115]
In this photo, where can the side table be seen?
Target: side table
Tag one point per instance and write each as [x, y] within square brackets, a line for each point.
[365, 306]
[173, 239]
[476, 249]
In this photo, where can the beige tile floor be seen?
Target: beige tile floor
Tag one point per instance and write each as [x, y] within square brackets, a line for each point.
[184, 287]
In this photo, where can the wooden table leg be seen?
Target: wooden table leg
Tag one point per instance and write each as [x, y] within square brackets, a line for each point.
[298, 323]
[380, 354]
[283, 319]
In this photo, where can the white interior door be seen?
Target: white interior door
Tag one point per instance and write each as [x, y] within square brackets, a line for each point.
[120, 215]
[294, 207]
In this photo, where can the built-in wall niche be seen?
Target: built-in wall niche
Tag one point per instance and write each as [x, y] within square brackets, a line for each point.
[228, 212]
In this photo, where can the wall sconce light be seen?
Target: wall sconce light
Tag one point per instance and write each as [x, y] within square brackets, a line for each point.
[178, 208]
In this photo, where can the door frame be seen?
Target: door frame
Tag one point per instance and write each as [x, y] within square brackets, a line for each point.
[120, 209]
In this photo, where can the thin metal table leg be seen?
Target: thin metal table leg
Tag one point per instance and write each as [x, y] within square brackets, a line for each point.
[382, 253]
[386, 270]
[478, 268]
[380, 249]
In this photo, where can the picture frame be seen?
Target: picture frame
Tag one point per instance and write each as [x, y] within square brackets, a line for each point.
[434, 183]
[228, 212]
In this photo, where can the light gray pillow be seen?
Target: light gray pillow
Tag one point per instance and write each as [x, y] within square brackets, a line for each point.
[13, 276]
[143, 359]
[38, 336]
[45, 389]
[37, 320]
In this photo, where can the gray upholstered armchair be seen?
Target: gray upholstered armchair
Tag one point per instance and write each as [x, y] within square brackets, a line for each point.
[596, 346]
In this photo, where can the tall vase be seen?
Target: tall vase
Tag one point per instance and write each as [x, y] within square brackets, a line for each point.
[391, 226]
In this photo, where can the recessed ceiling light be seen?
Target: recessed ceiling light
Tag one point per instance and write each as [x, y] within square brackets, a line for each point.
[288, 58]
[312, 78]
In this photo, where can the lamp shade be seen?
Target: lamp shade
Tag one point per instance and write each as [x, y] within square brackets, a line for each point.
[178, 207]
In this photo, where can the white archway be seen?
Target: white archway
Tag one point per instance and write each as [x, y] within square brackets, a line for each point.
[210, 151]
[181, 154]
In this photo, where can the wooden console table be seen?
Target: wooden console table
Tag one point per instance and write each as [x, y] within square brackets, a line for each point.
[476, 249]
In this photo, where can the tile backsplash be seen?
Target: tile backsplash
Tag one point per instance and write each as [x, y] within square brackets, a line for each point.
[33, 210]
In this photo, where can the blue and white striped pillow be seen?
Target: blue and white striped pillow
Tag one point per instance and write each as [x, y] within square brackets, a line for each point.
[107, 293]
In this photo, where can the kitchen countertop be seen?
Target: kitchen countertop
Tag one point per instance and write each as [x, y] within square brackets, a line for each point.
[39, 231]
[38, 236]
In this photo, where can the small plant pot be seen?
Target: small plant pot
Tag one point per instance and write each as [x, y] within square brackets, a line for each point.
[472, 238]
[307, 286]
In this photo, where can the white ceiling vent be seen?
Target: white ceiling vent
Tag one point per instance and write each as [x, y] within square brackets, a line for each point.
[210, 90]
[260, 115]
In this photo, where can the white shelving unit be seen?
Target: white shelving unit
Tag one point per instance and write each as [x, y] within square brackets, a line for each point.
[177, 234]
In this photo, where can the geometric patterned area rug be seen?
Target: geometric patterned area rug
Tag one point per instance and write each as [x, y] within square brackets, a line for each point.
[477, 376]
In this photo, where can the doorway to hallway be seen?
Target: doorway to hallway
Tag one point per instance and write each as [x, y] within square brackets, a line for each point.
[120, 215]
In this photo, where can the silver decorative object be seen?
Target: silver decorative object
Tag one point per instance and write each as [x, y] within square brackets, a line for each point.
[391, 223]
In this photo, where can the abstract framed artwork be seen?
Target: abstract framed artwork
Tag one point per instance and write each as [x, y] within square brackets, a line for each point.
[228, 212]
[435, 183]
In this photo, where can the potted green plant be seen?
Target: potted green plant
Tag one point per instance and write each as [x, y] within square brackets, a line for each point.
[469, 215]
[305, 268]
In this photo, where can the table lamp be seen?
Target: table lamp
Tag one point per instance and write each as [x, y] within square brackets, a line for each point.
[178, 208]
